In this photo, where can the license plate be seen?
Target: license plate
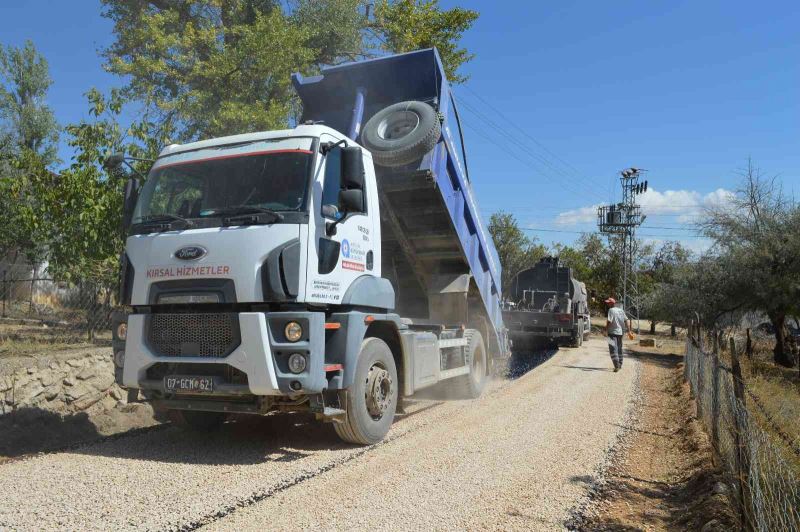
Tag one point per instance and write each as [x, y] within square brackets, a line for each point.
[187, 384]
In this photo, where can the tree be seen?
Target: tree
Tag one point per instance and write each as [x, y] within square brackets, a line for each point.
[756, 238]
[408, 25]
[218, 67]
[660, 274]
[26, 122]
[28, 144]
[516, 250]
[73, 218]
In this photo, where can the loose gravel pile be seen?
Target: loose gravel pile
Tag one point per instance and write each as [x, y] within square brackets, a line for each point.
[518, 458]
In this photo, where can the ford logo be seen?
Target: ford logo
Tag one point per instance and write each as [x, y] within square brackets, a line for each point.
[191, 253]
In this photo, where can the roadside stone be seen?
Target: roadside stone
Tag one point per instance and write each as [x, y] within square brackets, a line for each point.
[20, 380]
[32, 391]
[88, 400]
[69, 380]
[77, 391]
[75, 362]
[47, 378]
[86, 373]
[647, 342]
[31, 371]
[54, 365]
[5, 383]
[103, 381]
[116, 393]
[51, 392]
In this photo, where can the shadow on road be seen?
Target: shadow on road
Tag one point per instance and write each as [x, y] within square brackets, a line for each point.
[32, 430]
[243, 440]
[586, 368]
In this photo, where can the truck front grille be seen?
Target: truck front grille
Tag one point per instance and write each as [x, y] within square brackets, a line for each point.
[202, 334]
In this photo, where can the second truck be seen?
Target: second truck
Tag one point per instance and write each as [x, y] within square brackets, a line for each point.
[546, 306]
[337, 267]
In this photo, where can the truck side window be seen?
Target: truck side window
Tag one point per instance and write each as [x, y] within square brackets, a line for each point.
[332, 183]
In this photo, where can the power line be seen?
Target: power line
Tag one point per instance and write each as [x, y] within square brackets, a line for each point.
[511, 152]
[504, 132]
[527, 134]
[542, 229]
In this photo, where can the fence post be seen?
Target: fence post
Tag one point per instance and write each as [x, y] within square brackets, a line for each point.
[701, 373]
[5, 292]
[715, 397]
[749, 345]
[740, 426]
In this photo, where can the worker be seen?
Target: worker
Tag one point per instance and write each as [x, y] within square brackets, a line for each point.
[616, 324]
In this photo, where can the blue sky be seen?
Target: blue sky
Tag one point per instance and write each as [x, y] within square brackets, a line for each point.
[565, 94]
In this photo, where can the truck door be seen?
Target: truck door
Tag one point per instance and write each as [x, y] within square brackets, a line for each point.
[336, 260]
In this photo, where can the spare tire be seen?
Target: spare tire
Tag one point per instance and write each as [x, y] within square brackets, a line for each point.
[401, 133]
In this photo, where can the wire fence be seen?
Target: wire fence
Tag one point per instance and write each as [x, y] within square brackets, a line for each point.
[42, 311]
[762, 465]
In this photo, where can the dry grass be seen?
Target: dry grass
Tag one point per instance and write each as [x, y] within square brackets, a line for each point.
[26, 339]
[777, 397]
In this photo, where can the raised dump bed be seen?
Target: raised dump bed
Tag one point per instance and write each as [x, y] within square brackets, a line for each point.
[436, 249]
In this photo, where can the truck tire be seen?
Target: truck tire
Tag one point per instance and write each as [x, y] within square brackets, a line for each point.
[195, 420]
[401, 133]
[371, 401]
[470, 386]
[575, 338]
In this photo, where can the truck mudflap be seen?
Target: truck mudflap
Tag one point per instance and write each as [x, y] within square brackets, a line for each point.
[262, 356]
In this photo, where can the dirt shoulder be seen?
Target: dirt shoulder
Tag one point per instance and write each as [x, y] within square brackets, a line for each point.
[661, 475]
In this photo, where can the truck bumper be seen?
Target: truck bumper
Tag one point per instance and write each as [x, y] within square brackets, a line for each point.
[261, 355]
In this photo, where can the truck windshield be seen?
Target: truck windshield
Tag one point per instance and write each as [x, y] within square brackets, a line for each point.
[272, 179]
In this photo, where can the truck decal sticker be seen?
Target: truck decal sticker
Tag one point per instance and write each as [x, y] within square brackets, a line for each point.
[324, 289]
[345, 248]
[349, 265]
[161, 272]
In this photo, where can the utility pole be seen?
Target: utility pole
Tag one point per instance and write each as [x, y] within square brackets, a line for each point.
[619, 222]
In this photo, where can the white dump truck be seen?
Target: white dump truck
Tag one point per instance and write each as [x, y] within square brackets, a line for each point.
[309, 269]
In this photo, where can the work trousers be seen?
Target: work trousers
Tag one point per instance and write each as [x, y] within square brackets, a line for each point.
[615, 349]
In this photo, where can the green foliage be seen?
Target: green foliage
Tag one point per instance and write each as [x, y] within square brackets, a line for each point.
[218, 67]
[72, 219]
[757, 240]
[28, 137]
[516, 250]
[407, 25]
[26, 122]
[212, 67]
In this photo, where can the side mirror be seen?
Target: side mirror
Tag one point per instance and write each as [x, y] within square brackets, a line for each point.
[351, 201]
[352, 166]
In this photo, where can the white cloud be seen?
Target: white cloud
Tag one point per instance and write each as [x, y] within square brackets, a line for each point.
[685, 204]
[577, 216]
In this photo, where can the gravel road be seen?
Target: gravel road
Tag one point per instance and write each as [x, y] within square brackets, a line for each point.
[520, 457]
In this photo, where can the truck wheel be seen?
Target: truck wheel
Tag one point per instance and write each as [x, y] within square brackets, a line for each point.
[194, 420]
[577, 338]
[372, 400]
[401, 133]
[471, 386]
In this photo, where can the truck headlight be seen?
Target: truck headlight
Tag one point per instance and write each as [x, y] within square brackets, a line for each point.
[297, 363]
[122, 331]
[293, 331]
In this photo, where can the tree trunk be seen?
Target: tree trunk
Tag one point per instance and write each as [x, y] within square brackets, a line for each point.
[672, 330]
[652, 326]
[781, 355]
